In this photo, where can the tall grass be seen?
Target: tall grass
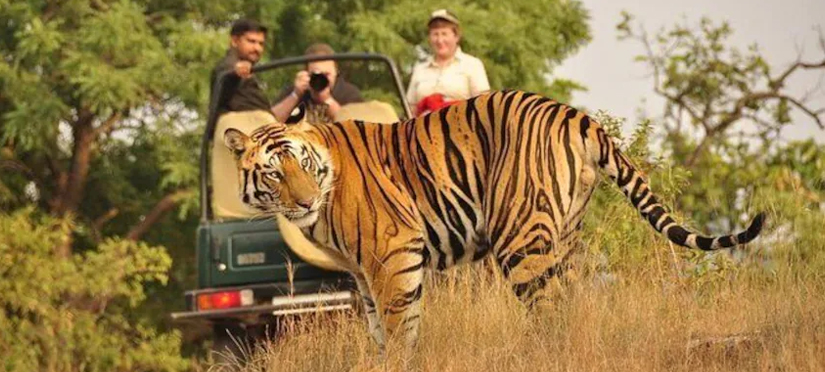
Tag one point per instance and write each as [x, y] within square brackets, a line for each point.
[472, 322]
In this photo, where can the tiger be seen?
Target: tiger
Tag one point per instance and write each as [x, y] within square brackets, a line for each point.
[505, 173]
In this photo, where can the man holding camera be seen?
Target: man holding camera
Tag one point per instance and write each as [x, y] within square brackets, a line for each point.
[319, 88]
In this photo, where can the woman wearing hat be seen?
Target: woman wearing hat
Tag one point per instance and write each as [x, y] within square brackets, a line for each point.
[449, 74]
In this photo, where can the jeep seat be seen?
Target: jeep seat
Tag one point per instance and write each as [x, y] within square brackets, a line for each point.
[372, 111]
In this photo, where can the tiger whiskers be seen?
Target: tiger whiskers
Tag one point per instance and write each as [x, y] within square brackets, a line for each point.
[324, 198]
[326, 190]
[264, 216]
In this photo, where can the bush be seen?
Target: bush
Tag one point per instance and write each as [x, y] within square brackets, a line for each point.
[74, 314]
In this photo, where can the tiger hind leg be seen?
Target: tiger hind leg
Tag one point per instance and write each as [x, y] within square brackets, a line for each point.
[538, 276]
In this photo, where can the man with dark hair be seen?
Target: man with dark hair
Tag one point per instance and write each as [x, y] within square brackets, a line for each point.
[241, 90]
[319, 88]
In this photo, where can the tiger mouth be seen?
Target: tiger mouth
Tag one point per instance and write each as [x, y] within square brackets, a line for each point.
[298, 214]
[302, 219]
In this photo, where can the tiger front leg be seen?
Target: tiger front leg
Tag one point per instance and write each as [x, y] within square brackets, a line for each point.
[396, 285]
[373, 320]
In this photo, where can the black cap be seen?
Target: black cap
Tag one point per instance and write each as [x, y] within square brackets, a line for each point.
[243, 26]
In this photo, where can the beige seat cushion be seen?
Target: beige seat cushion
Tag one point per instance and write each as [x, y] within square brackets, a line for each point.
[372, 111]
[226, 202]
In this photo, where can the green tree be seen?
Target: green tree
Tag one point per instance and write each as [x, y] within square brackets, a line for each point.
[724, 114]
[711, 172]
[71, 315]
[84, 81]
[99, 128]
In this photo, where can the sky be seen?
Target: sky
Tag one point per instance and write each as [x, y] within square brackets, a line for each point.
[617, 84]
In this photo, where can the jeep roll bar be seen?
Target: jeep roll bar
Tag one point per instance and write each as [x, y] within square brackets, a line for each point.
[212, 118]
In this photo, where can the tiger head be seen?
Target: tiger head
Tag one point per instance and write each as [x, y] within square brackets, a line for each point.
[280, 171]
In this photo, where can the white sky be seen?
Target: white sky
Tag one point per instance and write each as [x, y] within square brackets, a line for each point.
[617, 84]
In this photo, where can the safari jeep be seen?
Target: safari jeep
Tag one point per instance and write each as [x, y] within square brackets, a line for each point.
[248, 279]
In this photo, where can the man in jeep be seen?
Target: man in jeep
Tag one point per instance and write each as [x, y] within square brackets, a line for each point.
[319, 88]
[241, 90]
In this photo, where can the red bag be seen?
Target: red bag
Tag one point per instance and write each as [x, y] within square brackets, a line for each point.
[431, 103]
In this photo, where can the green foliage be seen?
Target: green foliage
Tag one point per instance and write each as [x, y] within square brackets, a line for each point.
[787, 184]
[65, 315]
[624, 239]
[697, 68]
[724, 112]
[101, 107]
[130, 73]
[106, 58]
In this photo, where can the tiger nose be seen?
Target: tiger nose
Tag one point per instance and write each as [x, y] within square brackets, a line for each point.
[306, 203]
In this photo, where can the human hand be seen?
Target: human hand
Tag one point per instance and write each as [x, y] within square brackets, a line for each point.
[323, 95]
[243, 69]
[301, 82]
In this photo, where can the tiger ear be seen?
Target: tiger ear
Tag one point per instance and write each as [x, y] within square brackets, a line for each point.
[236, 141]
[297, 115]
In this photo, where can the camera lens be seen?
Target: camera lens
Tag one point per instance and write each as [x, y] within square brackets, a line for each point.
[318, 81]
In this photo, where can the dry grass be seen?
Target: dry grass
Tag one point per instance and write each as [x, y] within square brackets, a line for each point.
[473, 323]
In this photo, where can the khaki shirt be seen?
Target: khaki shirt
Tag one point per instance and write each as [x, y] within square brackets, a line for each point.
[463, 78]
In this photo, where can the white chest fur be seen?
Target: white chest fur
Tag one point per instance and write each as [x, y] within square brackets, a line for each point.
[307, 250]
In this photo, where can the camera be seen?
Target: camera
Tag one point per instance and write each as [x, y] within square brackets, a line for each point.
[318, 81]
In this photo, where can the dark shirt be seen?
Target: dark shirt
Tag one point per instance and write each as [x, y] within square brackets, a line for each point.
[343, 92]
[315, 112]
[238, 94]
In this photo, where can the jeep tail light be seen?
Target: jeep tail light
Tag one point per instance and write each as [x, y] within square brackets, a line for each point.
[225, 300]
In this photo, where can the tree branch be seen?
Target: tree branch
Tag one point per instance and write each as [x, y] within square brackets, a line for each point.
[813, 114]
[71, 195]
[780, 81]
[735, 113]
[101, 220]
[60, 182]
[104, 218]
[51, 9]
[163, 206]
[760, 121]
[81, 157]
[694, 156]
[679, 101]
[16, 165]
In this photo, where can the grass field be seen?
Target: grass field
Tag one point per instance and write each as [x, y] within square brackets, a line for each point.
[652, 320]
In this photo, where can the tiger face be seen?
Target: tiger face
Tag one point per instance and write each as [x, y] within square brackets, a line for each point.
[281, 173]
